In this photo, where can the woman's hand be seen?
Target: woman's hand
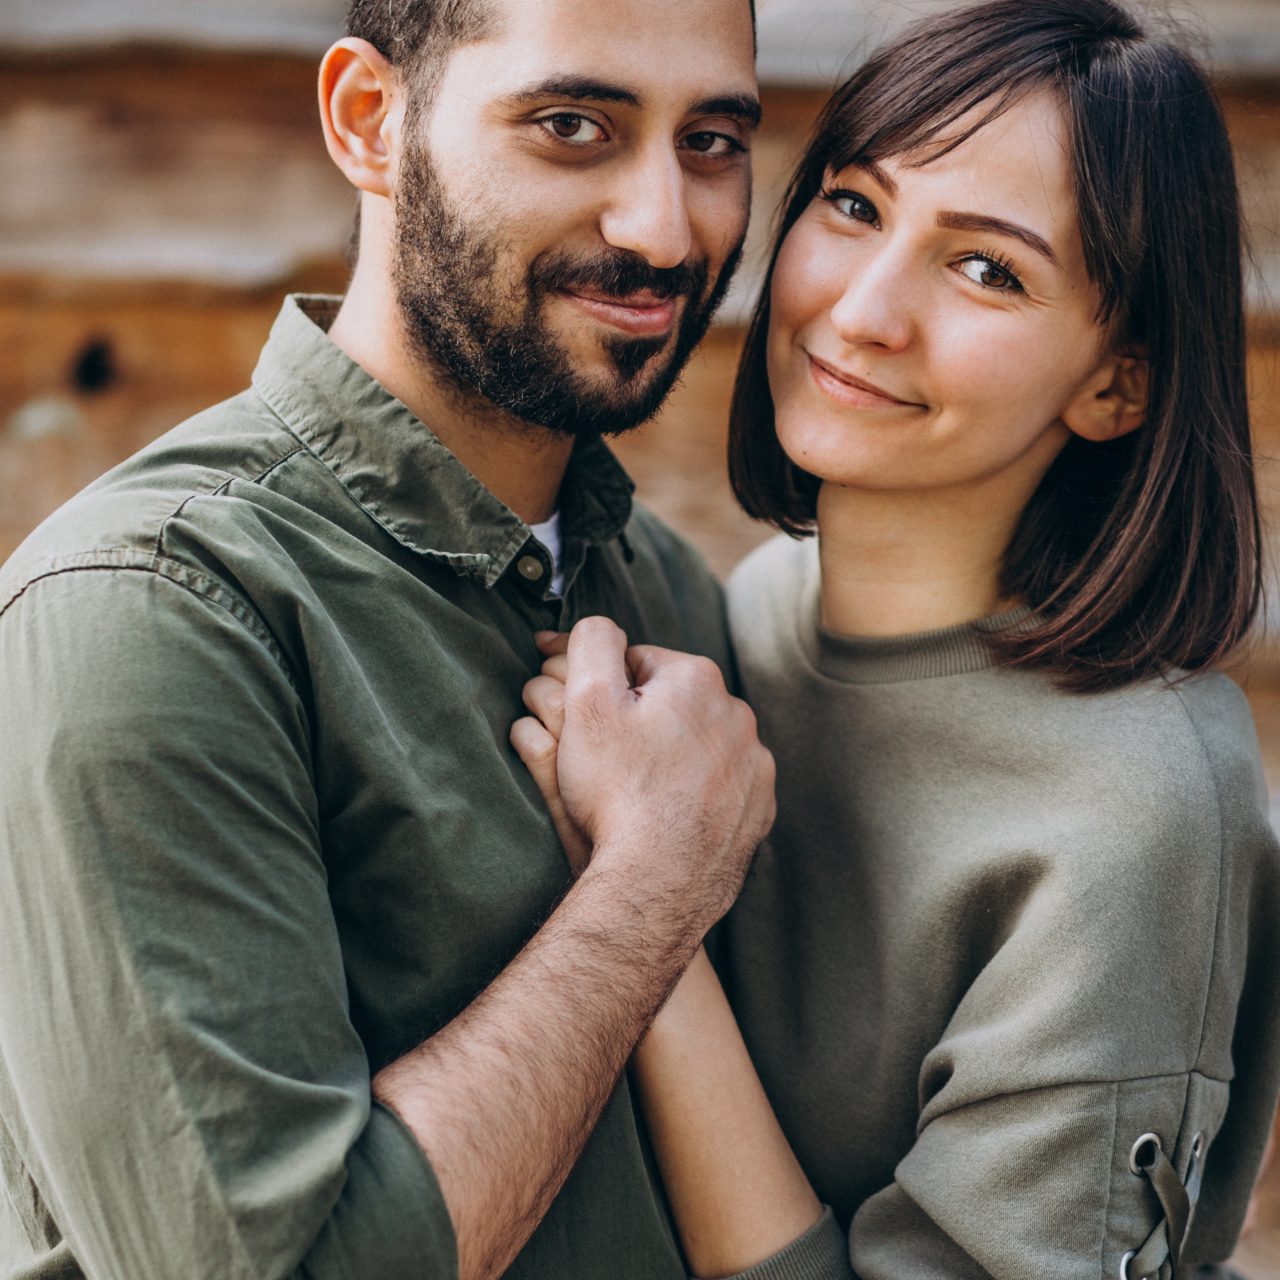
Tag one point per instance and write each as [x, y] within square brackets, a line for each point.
[536, 739]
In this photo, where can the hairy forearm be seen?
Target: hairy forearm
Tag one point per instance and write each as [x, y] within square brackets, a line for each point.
[736, 1189]
[504, 1097]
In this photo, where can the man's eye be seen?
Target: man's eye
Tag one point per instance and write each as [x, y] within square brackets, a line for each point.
[712, 144]
[572, 128]
[852, 205]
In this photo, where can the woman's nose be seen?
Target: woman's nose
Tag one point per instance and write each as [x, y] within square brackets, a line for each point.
[877, 306]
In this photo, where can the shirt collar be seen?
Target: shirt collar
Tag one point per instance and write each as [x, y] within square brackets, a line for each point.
[398, 471]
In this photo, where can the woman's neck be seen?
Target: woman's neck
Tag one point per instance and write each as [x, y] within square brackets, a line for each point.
[901, 563]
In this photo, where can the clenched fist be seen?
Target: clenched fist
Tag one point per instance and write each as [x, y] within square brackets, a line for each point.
[652, 770]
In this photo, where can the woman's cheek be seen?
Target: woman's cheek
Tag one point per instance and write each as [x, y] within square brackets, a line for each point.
[803, 289]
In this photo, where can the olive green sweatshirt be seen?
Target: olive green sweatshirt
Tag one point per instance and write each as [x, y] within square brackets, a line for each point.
[1001, 932]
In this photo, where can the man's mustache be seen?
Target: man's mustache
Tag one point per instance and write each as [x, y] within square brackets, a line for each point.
[618, 273]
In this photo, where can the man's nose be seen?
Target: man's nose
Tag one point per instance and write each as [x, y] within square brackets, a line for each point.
[876, 306]
[648, 212]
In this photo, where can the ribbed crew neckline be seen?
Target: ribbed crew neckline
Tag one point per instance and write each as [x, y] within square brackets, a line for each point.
[921, 655]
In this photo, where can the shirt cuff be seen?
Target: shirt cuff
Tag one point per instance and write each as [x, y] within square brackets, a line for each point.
[822, 1253]
[391, 1219]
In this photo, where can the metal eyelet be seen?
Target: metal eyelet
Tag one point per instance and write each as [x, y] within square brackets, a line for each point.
[1136, 1166]
[1197, 1145]
[1124, 1267]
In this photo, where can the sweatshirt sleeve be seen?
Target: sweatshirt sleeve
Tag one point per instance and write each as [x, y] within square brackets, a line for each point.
[1137, 999]
[822, 1253]
[180, 1077]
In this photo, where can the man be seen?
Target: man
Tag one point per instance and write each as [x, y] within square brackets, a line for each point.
[293, 980]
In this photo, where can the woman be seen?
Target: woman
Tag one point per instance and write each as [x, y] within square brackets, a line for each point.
[1007, 966]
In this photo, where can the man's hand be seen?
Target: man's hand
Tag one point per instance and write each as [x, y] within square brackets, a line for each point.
[659, 768]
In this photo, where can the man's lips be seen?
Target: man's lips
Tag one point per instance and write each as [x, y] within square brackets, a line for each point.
[643, 314]
[855, 392]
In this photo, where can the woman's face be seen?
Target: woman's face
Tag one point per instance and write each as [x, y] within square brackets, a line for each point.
[931, 326]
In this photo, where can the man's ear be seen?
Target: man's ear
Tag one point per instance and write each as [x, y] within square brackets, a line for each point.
[361, 109]
[1114, 400]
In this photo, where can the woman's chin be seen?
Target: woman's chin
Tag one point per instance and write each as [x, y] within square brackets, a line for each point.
[852, 467]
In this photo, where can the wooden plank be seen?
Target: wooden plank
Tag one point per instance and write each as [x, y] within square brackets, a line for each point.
[160, 165]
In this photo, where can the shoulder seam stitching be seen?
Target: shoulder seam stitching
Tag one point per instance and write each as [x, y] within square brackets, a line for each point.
[161, 567]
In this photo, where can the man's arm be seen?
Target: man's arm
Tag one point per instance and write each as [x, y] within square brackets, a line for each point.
[181, 1077]
[674, 792]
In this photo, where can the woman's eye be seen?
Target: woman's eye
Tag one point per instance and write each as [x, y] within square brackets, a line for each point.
[854, 206]
[712, 144]
[991, 275]
[572, 128]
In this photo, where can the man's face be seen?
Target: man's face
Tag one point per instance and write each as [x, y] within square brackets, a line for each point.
[571, 203]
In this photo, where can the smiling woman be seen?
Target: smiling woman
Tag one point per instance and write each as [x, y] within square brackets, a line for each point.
[998, 367]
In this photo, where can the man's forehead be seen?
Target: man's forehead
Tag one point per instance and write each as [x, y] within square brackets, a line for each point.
[652, 50]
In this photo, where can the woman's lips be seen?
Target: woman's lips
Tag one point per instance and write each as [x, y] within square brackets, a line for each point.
[641, 314]
[845, 389]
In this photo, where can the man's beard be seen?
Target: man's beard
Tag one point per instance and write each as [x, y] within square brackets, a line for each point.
[491, 336]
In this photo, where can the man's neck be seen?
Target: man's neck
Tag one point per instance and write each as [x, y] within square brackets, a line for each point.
[521, 465]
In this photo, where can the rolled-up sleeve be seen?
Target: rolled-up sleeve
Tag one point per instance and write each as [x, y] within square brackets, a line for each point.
[180, 1076]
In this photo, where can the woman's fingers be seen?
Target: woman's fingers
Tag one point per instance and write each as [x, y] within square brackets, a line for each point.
[551, 642]
[538, 750]
[544, 696]
[557, 668]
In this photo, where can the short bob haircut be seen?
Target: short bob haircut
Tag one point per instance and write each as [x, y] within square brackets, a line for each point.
[1140, 555]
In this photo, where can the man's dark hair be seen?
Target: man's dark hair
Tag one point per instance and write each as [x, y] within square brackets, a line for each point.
[416, 36]
[1143, 553]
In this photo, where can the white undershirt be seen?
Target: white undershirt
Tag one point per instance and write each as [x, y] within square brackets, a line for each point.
[548, 533]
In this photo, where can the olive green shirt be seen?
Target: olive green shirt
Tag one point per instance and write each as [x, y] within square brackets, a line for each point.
[999, 933]
[261, 832]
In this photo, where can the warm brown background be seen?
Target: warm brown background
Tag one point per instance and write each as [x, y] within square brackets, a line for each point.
[161, 196]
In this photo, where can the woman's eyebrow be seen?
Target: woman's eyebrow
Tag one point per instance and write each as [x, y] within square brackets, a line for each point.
[998, 226]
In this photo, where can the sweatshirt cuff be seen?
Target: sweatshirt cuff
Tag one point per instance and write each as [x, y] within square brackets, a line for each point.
[822, 1253]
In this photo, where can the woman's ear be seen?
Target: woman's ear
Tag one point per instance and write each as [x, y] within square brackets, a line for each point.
[1113, 402]
[360, 111]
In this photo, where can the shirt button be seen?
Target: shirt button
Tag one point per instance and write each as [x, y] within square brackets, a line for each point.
[530, 567]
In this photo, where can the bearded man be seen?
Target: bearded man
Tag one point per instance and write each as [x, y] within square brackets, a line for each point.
[294, 980]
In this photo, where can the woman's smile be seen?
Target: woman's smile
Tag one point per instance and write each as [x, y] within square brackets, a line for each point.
[857, 393]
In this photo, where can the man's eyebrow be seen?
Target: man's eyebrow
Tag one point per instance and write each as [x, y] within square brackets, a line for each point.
[744, 106]
[573, 88]
[998, 226]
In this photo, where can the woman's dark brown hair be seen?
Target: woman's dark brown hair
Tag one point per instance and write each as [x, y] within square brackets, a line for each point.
[1139, 555]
